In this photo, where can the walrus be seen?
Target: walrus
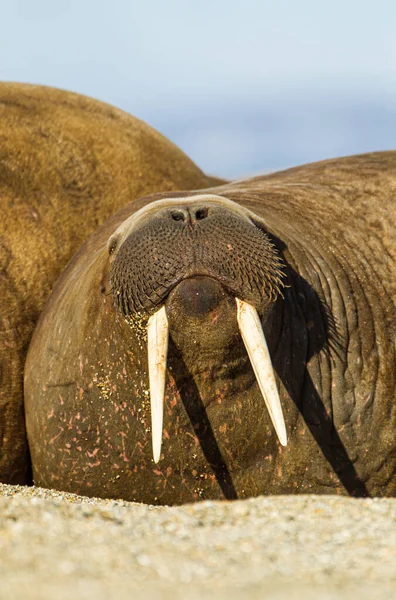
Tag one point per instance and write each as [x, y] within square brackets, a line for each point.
[226, 343]
[67, 163]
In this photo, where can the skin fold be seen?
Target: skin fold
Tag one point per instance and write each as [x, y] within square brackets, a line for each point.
[67, 163]
[327, 306]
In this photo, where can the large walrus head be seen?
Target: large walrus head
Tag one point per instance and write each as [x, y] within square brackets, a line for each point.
[202, 271]
[161, 329]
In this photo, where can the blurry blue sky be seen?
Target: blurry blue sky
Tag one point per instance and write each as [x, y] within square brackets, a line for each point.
[241, 86]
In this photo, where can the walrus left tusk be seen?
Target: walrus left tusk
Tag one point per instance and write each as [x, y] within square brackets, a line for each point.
[257, 349]
[157, 347]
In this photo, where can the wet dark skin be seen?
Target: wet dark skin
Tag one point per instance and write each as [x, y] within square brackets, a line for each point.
[327, 304]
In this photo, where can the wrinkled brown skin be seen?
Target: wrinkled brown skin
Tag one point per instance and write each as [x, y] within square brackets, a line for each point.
[331, 338]
[67, 163]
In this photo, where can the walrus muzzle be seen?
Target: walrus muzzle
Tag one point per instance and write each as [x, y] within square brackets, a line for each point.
[191, 240]
[179, 242]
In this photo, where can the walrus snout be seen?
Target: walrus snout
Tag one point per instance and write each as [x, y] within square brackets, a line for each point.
[176, 240]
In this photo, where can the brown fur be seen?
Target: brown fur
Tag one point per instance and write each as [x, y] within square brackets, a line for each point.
[67, 162]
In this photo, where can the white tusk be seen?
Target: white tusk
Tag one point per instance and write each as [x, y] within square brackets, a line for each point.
[257, 349]
[157, 347]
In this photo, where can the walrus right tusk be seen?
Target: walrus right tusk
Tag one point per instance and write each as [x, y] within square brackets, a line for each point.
[257, 349]
[157, 347]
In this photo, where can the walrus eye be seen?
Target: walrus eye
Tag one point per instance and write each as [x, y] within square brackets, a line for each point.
[112, 245]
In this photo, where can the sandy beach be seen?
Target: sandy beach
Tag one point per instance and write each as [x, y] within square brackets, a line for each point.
[57, 545]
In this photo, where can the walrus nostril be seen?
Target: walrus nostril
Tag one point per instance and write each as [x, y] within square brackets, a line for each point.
[179, 215]
[201, 213]
[189, 214]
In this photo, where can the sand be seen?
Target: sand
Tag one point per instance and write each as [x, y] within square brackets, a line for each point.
[57, 545]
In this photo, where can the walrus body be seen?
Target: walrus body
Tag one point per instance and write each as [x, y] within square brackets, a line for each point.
[66, 164]
[313, 250]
